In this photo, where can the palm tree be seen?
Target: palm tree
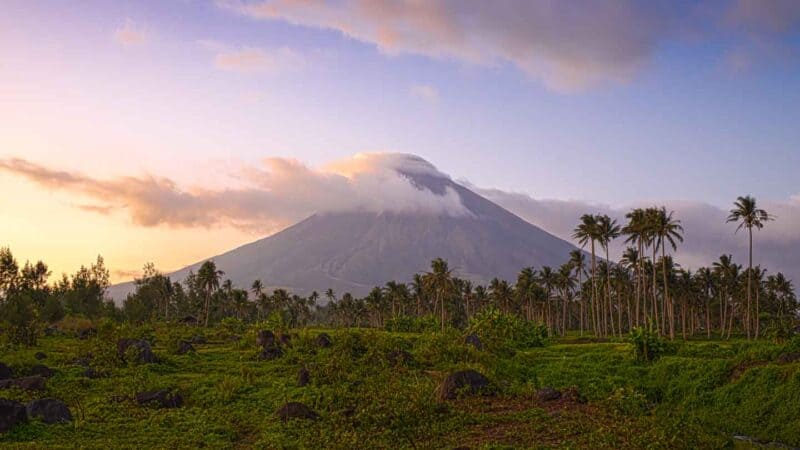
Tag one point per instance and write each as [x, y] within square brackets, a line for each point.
[667, 230]
[746, 212]
[578, 262]
[565, 283]
[440, 281]
[636, 230]
[608, 230]
[526, 277]
[586, 232]
[705, 279]
[208, 276]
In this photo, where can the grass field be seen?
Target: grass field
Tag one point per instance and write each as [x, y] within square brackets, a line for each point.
[699, 396]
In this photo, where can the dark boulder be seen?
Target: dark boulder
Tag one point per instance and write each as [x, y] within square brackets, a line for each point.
[467, 382]
[323, 340]
[188, 320]
[162, 398]
[303, 377]
[399, 357]
[35, 383]
[265, 338]
[144, 352]
[11, 414]
[548, 394]
[5, 372]
[185, 347]
[40, 356]
[296, 410]
[86, 333]
[270, 353]
[42, 371]
[198, 339]
[474, 341]
[49, 411]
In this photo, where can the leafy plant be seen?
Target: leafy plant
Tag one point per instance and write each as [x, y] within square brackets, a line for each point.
[648, 345]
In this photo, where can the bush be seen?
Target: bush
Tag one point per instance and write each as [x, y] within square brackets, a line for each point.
[410, 324]
[648, 345]
[497, 329]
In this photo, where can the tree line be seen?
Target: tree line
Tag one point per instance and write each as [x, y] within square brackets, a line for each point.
[588, 293]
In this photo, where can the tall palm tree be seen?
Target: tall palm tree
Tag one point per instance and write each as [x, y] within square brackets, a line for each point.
[257, 288]
[636, 230]
[548, 277]
[705, 280]
[440, 281]
[578, 262]
[667, 231]
[749, 215]
[526, 277]
[608, 230]
[565, 283]
[586, 232]
[208, 276]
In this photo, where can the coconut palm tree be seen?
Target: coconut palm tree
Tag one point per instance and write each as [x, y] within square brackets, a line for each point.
[667, 231]
[566, 284]
[586, 232]
[636, 230]
[607, 231]
[440, 281]
[578, 261]
[208, 277]
[747, 213]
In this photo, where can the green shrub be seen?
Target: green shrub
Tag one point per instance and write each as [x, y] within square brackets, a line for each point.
[411, 324]
[648, 345]
[498, 329]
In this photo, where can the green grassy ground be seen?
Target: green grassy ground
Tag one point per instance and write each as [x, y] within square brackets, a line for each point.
[697, 398]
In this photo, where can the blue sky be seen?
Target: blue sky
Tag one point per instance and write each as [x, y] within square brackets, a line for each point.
[673, 100]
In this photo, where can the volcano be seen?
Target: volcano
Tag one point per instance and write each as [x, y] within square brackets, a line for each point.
[353, 251]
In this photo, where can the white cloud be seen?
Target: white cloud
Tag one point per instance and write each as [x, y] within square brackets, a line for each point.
[270, 197]
[425, 92]
[130, 34]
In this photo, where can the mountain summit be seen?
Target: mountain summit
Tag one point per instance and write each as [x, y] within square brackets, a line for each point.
[355, 250]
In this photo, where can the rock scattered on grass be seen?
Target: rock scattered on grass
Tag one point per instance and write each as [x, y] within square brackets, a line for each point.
[49, 410]
[198, 339]
[5, 372]
[40, 356]
[303, 377]
[161, 398]
[265, 338]
[143, 348]
[34, 383]
[296, 410]
[548, 394]
[270, 353]
[323, 340]
[185, 347]
[11, 414]
[466, 382]
[86, 333]
[474, 341]
[42, 371]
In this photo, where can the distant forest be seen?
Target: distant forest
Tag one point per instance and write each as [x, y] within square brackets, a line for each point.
[589, 293]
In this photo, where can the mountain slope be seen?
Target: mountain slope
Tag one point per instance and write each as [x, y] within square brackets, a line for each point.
[356, 250]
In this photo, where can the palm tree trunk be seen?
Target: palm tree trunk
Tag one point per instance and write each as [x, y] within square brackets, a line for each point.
[749, 281]
[655, 294]
[667, 300]
[595, 319]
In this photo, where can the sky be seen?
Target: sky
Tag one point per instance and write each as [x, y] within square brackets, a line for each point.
[121, 122]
